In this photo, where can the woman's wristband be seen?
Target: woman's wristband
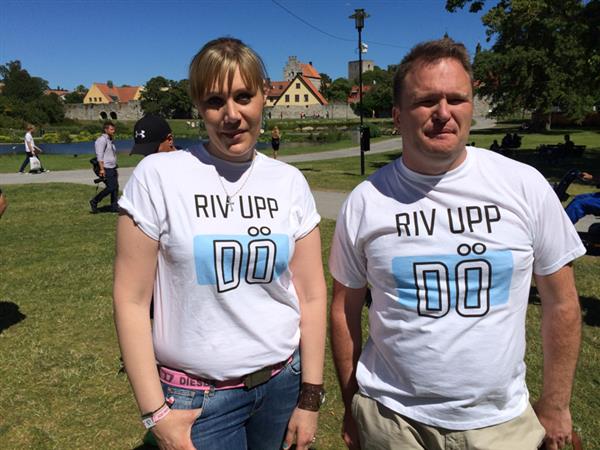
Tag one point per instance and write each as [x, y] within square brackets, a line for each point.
[312, 396]
[152, 418]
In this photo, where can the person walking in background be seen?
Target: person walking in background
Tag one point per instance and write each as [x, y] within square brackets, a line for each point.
[275, 141]
[447, 237]
[152, 134]
[228, 242]
[106, 153]
[31, 150]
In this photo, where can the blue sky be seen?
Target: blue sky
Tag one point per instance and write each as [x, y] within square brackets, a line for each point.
[71, 42]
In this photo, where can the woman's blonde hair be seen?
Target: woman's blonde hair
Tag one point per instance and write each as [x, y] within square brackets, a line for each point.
[217, 62]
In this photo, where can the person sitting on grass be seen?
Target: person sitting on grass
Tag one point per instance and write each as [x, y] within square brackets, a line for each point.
[584, 204]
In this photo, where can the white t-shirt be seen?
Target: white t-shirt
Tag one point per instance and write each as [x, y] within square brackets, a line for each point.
[29, 143]
[449, 260]
[224, 301]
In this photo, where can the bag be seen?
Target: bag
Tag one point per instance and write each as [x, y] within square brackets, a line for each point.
[34, 164]
[95, 166]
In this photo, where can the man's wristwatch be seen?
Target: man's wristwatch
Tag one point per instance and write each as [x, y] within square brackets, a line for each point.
[312, 396]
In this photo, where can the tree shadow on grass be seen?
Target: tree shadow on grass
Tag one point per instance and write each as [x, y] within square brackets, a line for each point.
[591, 310]
[590, 307]
[9, 315]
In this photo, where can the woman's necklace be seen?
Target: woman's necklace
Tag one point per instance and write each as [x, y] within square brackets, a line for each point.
[229, 197]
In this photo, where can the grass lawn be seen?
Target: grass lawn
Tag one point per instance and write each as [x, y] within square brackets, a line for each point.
[10, 163]
[343, 174]
[58, 352]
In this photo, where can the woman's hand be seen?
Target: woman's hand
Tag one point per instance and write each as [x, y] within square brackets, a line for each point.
[302, 429]
[174, 431]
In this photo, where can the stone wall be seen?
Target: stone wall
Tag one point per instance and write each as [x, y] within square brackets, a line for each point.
[330, 111]
[111, 111]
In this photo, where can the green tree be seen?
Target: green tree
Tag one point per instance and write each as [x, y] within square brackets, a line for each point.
[51, 105]
[23, 97]
[325, 84]
[155, 96]
[168, 98]
[377, 101]
[180, 100]
[339, 90]
[19, 85]
[77, 95]
[545, 55]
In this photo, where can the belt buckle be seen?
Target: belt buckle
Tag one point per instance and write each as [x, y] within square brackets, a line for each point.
[259, 377]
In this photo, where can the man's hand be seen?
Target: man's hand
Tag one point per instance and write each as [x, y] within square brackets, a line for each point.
[557, 423]
[350, 432]
[102, 173]
[586, 176]
[302, 428]
[174, 431]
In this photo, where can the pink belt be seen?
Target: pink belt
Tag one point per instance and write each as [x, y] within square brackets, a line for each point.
[180, 379]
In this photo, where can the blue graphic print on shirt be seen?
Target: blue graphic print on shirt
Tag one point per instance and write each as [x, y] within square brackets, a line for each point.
[226, 260]
[471, 281]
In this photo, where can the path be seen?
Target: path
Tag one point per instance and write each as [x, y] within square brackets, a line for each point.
[328, 203]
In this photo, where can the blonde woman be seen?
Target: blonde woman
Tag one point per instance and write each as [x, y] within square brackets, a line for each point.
[228, 241]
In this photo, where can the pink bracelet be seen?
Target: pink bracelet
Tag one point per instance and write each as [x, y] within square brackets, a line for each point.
[151, 419]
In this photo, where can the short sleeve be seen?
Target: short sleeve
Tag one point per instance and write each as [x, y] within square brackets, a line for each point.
[347, 261]
[138, 201]
[556, 241]
[304, 215]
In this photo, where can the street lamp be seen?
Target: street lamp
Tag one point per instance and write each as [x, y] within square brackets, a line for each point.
[359, 17]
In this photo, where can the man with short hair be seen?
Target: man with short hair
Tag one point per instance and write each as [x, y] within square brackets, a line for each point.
[106, 153]
[31, 149]
[447, 238]
[152, 134]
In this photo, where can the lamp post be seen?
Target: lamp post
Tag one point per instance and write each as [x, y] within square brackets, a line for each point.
[359, 17]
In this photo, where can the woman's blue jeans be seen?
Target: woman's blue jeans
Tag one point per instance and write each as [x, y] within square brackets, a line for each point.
[240, 419]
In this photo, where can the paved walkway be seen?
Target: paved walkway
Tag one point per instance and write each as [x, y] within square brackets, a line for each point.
[328, 203]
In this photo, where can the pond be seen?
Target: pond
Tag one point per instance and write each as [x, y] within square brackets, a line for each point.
[86, 148]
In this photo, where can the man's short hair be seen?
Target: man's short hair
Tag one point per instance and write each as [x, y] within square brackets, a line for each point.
[30, 127]
[107, 124]
[427, 53]
[217, 62]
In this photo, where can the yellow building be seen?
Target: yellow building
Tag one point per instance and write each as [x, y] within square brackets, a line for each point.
[300, 91]
[101, 93]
